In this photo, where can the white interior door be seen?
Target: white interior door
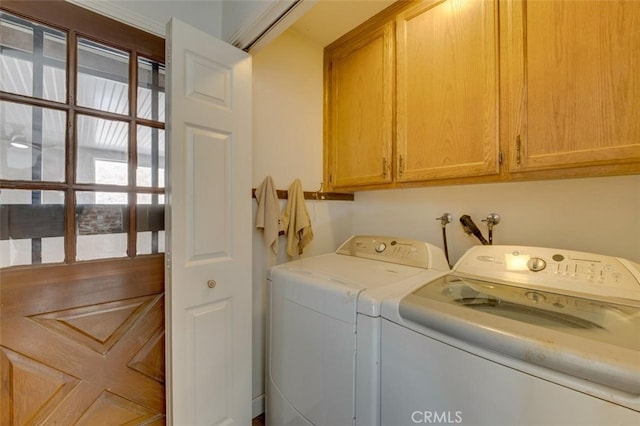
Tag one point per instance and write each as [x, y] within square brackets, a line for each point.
[208, 278]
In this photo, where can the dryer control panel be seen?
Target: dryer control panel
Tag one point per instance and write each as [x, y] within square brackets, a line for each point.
[395, 250]
[588, 274]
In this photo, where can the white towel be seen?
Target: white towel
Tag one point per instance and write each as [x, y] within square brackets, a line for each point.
[295, 220]
[267, 216]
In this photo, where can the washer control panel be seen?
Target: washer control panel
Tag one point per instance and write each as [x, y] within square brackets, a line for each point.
[395, 250]
[576, 272]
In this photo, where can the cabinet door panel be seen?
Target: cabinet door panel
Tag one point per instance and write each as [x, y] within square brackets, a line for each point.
[360, 93]
[581, 83]
[447, 99]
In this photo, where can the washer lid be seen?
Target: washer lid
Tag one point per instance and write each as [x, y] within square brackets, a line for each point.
[586, 338]
[603, 322]
[359, 272]
[373, 279]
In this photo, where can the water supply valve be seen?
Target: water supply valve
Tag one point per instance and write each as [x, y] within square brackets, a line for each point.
[444, 220]
[492, 220]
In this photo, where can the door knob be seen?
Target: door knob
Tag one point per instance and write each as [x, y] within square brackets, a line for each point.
[211, 283]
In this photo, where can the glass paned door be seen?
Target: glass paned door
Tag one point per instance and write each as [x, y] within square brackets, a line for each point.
[33, 59]
[103, 77]
[32, 228]
[82, 151]
[33, 142]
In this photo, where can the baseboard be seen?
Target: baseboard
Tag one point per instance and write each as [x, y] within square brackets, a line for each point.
[257, 406]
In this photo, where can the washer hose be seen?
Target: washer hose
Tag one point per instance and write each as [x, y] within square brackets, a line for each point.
[470, 228]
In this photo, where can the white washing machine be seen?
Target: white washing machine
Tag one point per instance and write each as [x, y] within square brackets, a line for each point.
[323, 342]
[516, 335]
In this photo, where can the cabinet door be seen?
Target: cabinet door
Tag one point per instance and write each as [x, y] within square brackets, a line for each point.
[574, 83]
[359, 109]
[447, 90]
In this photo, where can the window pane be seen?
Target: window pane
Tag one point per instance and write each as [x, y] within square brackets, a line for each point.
[151, 80]
[31, 227]
[101, 225]
[150, 223]
[32, 59]
[150, 171]
[103, 151]
[103, 77]
[33, 143]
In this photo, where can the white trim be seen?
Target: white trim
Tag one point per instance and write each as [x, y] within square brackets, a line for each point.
[122, 14]
[287, 21]
[268, 19]
[257, 405]
[262, 18]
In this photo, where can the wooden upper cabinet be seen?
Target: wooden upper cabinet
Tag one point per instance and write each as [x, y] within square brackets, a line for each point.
[359, 109]
[573, 83]
[447, 90]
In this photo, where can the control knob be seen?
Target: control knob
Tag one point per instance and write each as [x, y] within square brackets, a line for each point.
[380, 247]
[536, 264]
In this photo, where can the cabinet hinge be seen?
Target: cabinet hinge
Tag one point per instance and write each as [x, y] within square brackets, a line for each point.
[400, 166]
[518, 147]
[384, 168]
[500, 157]
[331, 178]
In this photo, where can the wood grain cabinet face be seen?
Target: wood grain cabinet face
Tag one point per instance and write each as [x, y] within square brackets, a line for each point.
[445, 87]
[573, 83]
[447, 90]
[359, 109]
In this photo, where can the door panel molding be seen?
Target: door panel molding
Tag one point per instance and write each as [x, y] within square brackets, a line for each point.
[70, 333]
[207, 80]
[208, 205]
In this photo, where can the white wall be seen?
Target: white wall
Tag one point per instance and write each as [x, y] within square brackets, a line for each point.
[599, 215]
[287, 144]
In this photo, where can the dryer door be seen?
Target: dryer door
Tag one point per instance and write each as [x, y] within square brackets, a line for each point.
[311, 366]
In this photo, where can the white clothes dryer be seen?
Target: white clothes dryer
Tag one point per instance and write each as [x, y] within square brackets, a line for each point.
[516, 335]
[323, 344]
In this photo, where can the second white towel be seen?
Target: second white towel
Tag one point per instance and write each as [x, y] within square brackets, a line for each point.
[295, 220]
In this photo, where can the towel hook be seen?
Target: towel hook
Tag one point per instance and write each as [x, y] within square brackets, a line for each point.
[318, 194]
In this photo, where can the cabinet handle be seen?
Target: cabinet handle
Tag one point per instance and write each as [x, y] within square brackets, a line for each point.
[400, 166]
[384, 168]
[518, 146]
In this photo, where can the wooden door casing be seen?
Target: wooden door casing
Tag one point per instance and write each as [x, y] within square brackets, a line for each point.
[83, 343]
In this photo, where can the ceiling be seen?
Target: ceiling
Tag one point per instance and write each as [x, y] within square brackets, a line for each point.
[330, 19]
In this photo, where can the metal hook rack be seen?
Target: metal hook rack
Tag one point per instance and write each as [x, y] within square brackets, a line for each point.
[319, 195]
